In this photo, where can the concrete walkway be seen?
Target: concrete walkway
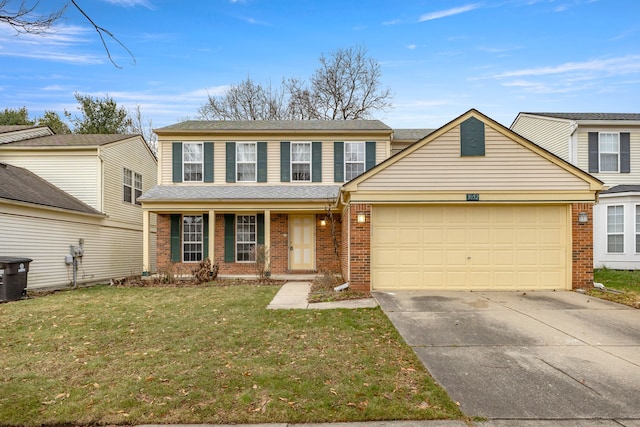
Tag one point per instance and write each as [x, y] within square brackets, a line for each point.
[294, 295]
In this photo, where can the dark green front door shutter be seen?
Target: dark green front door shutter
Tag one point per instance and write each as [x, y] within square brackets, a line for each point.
[260, 226]
[229, 238]
[316, 161]
[338, 161]
[262, 161]
[231, 162]
[208, 162]
[285, 161]
[370, 154]
[175, 238]
[205, 236]
[176, 161]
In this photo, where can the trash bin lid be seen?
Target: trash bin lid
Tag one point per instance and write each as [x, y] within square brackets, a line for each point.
[13, 260]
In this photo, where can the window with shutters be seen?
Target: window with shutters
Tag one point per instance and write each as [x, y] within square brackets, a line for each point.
[609, 149]
[615, 229]
[246, 237]
[354, 160]
[301, 161]
[192, 238]
[246, 162]
[192, 161]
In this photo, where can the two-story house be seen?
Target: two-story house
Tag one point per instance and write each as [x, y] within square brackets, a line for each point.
[607, 145]
[470, 205]
[104, 174]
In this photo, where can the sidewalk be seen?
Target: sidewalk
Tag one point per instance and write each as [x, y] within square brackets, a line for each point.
[294, 295]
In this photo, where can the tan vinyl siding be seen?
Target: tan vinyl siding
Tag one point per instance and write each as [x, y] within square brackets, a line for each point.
[611, 178]
[45, 237]
[72, 171]
[551, 134]
[164, 163]
[507, 165]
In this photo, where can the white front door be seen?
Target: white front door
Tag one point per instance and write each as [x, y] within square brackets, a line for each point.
[302, 242]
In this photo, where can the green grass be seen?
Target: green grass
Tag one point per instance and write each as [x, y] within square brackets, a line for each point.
[627, 281]
[208, 354]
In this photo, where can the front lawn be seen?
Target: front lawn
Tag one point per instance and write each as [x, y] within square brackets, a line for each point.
[625, 281]
[207, 354]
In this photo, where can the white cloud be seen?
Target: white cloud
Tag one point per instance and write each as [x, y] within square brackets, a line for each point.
[411, 46]
[448, 12]
[611, 66]
[131, 3]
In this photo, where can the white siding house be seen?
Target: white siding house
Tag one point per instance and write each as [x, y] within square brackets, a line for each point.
[607, 145]
[103, 173]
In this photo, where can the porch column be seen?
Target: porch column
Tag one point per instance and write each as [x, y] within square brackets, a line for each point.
[146, 233]
[267, 240]
[212, 234]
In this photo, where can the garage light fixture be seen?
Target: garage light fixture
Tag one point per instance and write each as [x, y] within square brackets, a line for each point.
[583, 218]
[323, 222]
[362, 218]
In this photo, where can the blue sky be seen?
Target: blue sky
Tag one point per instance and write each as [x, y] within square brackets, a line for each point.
[439, 58]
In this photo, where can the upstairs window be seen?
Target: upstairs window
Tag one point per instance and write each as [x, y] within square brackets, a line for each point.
[615, 229]
[354, 159]
[137, 183]
[609, 149]
[246, 162]
[131, 186]
[301, 161]
[192, 159]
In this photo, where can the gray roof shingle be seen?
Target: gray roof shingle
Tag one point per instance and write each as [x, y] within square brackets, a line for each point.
[624, 188]
[591, 116]
[20, 185]
[70, 140]
[412, 135]
[275, 125]
[242, 192]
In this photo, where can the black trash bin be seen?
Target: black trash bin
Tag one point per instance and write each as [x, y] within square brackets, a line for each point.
[13, 280]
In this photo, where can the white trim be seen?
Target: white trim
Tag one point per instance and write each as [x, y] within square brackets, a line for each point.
[310, 162]
[364, 159]
[600, 152]
[238, 241]
[201, 241]
[184, 163]
[616, 233]
[255, 162]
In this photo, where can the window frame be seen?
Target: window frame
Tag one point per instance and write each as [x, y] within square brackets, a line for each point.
[601, 152]
[195, 243]
[255, 161]
[126, 172]
[293, 162]
[615, 232]
[190, 163]
[252, 244]
[137, 189]
[356, 162]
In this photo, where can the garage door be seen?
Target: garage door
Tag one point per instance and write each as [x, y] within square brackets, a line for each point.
[470, 247]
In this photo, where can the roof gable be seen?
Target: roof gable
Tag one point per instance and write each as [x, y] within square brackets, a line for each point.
[510, 163]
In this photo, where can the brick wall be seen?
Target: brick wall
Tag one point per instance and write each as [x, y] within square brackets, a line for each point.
[360, 247]
[582, 246]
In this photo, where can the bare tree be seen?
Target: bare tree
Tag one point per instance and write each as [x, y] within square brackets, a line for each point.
[345, 87]
[138, 126]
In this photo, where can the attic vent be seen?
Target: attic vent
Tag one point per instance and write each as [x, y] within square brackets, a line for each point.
[472, 137]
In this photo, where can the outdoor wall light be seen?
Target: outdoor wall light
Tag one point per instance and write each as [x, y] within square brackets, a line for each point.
[362, 218]
[323, 222]
[583, 218]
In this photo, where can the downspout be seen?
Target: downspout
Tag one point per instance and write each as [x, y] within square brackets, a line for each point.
[573, 143]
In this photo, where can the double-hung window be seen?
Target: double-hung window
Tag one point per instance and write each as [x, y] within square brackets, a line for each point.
[615, 229]
[246, 235]
[131, 186]
[246, 162]
[354, 159]
[192, 159]
[609, 149]
[192, 238]
[301, 161]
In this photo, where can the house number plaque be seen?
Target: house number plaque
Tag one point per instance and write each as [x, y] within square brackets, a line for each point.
[473, 197]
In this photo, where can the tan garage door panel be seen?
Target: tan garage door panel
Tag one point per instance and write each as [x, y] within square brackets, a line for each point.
[470, 247]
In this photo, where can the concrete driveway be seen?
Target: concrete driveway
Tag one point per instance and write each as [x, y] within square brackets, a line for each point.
[534, 355]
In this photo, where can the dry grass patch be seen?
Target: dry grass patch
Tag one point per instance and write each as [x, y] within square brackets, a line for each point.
[208, 354]
[625, 282]
[322, 290]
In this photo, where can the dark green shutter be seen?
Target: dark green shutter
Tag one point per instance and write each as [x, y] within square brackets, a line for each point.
[262, 161]
[231, 162]
[177, 161]
[594, 160]
[205, 236]
[285, 161]
[175, 238]
[370, 154]
[316, 161]
[229, 238]
[625, 152]
[260, 226]
[208, 162]
[472, 137]
[338, 161]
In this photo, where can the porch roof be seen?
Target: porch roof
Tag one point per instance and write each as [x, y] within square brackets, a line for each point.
[230, 192]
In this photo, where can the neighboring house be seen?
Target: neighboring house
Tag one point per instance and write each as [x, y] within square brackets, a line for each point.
[402, 138]
[607, 145]
[105, 174]
[470, 206]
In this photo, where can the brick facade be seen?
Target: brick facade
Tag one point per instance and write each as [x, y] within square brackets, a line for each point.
[582, 246]
[326, 259]
[359, 250]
